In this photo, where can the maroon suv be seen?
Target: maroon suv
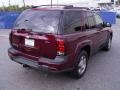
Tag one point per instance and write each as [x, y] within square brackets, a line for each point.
[58, 39]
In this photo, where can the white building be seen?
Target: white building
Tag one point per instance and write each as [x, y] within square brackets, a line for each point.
[102, 1]
[85, 3]
[93, 3]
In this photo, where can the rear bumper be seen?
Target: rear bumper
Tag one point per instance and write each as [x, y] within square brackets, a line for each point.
[53, 65]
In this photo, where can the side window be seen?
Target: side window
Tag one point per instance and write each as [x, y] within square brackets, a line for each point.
[72, 21]
[98, 20]
[89, 22]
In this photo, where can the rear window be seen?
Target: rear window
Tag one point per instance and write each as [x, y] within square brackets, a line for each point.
[39, 21]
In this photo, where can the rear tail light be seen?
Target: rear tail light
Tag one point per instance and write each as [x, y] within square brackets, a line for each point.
[60, 47]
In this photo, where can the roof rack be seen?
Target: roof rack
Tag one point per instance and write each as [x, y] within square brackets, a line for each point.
[61, 6]
[83, 8]
[54, 6]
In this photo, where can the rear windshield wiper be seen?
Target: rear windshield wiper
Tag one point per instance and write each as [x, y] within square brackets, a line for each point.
[23, 30]
[38, 33]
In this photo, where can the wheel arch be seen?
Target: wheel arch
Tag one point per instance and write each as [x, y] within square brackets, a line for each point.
[87, 48]
[85, 45]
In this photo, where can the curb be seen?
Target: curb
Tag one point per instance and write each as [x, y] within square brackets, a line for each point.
[4, 36]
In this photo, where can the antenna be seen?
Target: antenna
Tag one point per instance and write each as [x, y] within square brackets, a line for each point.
[51, 3]
[24, 3]
[9, 2]
[57, 2]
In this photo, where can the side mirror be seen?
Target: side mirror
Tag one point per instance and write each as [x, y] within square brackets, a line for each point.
[107, 24]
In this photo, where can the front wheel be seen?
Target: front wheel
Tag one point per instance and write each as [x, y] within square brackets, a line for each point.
[107, 47]
[81, 65]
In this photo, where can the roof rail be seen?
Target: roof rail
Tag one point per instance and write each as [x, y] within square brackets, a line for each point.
[83, 8]
[54, 6]
[61, 6]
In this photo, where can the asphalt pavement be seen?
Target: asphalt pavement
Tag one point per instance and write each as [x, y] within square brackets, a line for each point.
[103, 71]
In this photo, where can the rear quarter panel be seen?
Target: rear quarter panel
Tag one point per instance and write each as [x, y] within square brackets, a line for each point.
[74, 43]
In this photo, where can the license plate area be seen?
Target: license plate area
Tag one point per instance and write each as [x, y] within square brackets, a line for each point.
[29, 42]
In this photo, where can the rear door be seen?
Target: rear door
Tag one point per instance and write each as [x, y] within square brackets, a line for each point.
[72, 29]
[91, 30]
[35, 44]
[35, 33]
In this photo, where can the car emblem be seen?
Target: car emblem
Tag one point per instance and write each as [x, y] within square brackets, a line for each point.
[27, 36]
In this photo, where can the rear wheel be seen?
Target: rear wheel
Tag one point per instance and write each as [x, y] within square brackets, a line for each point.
[81, 65]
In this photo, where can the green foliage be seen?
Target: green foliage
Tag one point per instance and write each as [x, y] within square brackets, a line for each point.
[14, 8]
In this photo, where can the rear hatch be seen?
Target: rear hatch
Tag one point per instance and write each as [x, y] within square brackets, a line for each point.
[34, 33]
[35, 44]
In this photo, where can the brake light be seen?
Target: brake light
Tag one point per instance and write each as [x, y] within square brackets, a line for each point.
[60, 47]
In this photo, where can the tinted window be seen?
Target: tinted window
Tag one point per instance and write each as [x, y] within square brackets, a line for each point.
[39, 21]
[89, 21]
[98, 20]
[72, 21]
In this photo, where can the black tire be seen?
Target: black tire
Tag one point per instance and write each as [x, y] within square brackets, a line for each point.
[107, 47]
[76, 73]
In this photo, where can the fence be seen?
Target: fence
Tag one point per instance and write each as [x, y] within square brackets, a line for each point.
[108, 16]
[7, 19]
